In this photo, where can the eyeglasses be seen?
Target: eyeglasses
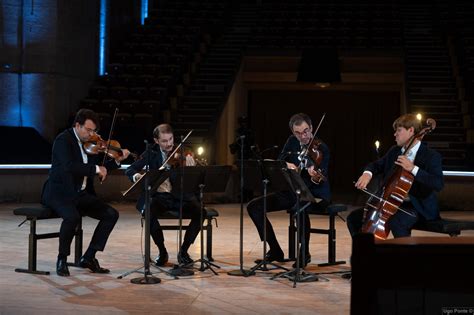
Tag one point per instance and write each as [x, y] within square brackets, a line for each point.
[303, 133]
[89, 130]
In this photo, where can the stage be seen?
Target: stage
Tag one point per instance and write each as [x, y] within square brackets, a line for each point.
[203, 293]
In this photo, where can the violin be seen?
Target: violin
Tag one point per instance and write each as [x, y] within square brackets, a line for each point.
[379, 209]
[175, 160]
[97, 145]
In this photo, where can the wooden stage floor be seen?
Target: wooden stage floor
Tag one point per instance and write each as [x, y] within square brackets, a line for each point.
[203, 293]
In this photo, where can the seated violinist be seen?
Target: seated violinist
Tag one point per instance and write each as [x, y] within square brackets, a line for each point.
[165, 199]
[314, 178]
[421, 161]
[69, 190]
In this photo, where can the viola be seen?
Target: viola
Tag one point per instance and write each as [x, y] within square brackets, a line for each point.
[380, 208]
[111, 148]
[313, 152]
[316, 156]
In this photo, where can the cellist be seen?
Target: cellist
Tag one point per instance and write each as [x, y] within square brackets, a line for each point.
[425, 165]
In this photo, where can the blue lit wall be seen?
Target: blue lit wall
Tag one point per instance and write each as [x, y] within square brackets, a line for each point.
[104, 4]
[144, 11]
[48, 60]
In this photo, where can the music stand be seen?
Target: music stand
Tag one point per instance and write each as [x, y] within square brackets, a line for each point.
[302, 192]
[150, 182]
[194, 177]
[214, 180]
[261, 175]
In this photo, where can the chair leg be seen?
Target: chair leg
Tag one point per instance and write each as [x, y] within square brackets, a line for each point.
[291, 238]
[209, 240]
[332, 244]
[32, 251]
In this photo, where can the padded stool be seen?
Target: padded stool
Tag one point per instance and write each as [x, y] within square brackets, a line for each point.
[37, 212]
[445, 226]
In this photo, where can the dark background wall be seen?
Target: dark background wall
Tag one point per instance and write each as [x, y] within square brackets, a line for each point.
[49, 58]
[354, 120]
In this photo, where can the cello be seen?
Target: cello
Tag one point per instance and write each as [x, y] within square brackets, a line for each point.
[379, 209]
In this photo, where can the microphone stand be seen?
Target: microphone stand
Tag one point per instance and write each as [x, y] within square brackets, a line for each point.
[241, 271]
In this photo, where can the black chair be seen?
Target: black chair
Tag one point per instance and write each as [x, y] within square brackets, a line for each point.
[331, 212]
[210, 214]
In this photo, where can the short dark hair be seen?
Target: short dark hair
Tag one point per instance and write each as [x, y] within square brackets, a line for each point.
[163, 128]
[83, 114]
[298, 119]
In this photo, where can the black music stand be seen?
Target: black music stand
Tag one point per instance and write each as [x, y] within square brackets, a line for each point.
[188, 179]
[302, 192]
[150, 182]
[215, 180]
[261, 175]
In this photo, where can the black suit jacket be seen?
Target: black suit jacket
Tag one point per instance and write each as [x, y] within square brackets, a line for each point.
[156, 160]
[427, 182]
[68, 170]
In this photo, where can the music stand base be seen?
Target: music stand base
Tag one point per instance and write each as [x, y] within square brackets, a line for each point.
[146, 280]
[302, 277]
[347, 275]
[163, 270]
[241, 273]
[180, 271]
[299, 276]
[262, 266]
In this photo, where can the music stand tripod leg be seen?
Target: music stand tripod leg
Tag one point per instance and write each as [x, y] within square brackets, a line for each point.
[298, 274]
[205, 264]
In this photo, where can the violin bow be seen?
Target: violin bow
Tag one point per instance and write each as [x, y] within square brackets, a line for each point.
[302, 156]
[317, 129]
[110, 134]
[381, 199]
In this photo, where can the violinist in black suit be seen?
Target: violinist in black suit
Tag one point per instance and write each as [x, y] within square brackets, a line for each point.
[426, 166]
[69, 190]
[165, 198]
[302, 133]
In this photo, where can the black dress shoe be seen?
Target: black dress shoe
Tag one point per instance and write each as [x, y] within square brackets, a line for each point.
[93, 265]
[184, 258]
[272, 256]
[61, 268]
[307, 261]
[161, 259]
